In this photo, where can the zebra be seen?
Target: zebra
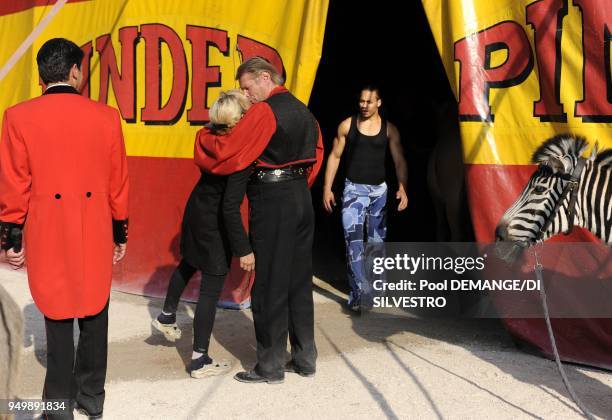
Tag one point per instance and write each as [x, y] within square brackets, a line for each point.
[566, 190]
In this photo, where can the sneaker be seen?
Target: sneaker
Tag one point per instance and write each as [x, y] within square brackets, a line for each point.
[204, 366]
[355, 305]
[170, 330]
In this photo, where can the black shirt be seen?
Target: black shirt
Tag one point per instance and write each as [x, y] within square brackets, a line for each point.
[366, 155]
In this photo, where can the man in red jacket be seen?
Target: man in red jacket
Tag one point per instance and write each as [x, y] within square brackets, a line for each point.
[63, 177]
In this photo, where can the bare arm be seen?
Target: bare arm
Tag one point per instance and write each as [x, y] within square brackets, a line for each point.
[401, 167]
[333, 161]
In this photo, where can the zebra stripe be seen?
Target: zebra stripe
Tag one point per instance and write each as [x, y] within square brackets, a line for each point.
[593, 206]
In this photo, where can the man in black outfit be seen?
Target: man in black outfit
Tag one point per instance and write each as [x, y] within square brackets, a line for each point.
[281, 135]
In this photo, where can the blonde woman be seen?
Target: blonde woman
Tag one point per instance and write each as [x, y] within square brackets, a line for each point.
[209, 238]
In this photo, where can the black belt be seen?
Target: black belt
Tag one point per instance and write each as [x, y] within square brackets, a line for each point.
[267, 175]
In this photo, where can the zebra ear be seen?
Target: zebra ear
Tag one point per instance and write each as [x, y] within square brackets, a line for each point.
[558, 164]
[594, 151]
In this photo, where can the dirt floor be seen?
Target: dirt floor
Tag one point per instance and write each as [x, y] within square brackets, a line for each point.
[368, 367]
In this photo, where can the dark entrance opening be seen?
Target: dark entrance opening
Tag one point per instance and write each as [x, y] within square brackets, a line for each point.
[388, 44]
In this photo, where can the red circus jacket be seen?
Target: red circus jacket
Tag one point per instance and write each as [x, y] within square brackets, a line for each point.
[245, 144]
[63, 175]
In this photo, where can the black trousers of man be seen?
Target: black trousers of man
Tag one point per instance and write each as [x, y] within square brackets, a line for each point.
[282, 229]
[80, 379]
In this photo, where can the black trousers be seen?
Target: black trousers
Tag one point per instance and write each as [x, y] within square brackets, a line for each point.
[79, 378]
[282, 229]
[206, 308]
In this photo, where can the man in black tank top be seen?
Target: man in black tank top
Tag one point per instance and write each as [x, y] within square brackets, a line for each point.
[364, 138]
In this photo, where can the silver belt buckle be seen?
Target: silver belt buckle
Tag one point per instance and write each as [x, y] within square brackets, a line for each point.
[277, 172]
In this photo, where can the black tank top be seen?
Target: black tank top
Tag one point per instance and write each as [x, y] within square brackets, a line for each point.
[366, 155]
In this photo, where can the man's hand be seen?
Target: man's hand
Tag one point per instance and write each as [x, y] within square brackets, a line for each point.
[119, 252]
[329, 201]
[247, 263]
[403, 199]
[16, 259]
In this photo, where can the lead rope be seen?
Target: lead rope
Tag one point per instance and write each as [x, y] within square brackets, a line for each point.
[538, 271]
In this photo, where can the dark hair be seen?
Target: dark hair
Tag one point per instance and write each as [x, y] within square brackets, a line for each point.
[55, 59]
[372, 88]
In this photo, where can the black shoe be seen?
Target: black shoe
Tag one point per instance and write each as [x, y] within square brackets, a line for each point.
[292, 368]
[252, 377]
[79, 408]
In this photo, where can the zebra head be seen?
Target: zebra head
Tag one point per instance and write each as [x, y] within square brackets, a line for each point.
[543, 207]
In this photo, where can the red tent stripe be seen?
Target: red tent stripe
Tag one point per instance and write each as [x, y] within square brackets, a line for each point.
[14, 6]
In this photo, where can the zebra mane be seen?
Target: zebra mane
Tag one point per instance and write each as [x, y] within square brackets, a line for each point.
[604, 158]
[559, 146]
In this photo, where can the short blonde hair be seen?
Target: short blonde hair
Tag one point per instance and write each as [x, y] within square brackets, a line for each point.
[228, 109]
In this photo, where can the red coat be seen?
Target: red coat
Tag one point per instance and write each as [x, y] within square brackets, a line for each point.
[63, 172]
[233, 152]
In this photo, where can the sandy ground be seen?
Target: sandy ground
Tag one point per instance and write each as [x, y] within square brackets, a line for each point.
[369, 367]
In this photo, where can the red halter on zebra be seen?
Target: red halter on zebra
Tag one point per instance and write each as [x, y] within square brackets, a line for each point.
[566, 190]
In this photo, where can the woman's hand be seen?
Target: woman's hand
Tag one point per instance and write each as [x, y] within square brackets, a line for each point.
[247, 263]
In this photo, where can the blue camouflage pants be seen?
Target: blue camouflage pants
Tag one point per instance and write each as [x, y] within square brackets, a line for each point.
[362, 204]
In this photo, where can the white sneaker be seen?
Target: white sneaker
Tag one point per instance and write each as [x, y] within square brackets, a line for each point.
[170, 331]
[204, 366]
